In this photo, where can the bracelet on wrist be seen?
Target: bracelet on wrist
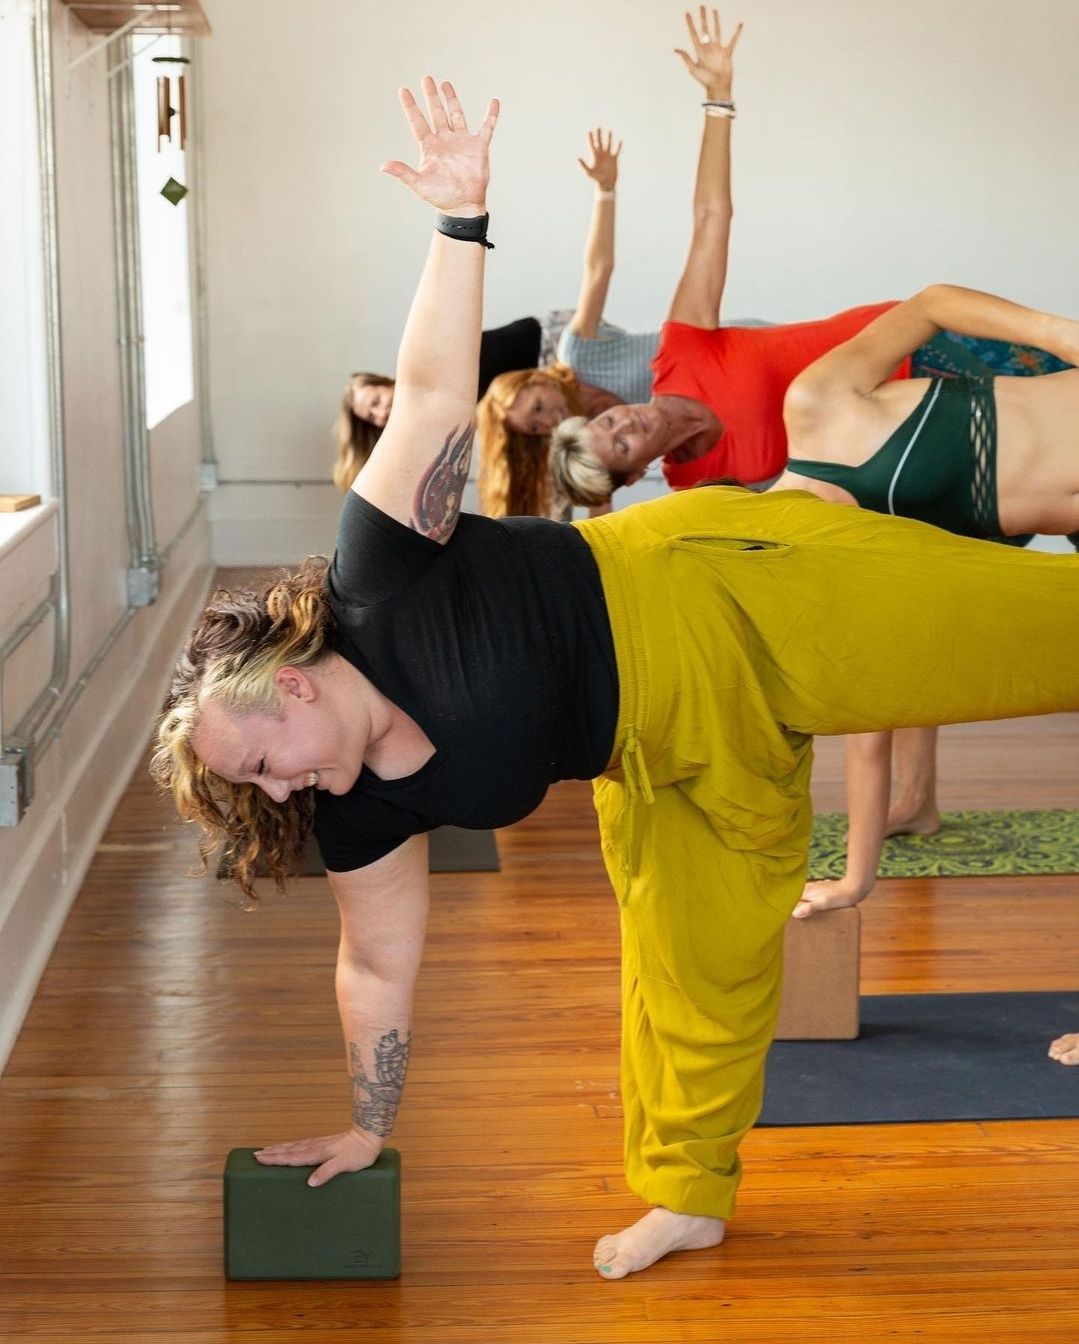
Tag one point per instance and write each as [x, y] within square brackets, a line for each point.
[715, 108]
[605, 193]
[467, 230]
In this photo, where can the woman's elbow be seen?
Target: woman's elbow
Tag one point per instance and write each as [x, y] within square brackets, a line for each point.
[930, 299]
[713, 214]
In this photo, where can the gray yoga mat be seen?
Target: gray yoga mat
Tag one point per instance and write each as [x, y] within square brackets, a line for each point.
[452, 849]
[931, 1057]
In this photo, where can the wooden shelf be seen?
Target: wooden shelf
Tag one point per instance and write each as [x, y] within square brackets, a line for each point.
[184, 17]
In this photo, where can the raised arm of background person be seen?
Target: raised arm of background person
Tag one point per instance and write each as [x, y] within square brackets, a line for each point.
[599, 246]
[861, 365]
[383, 921]
[417, 470]
[869, 785]
[700, 290]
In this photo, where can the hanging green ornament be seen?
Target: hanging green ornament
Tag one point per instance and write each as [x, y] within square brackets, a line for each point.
[174, 191]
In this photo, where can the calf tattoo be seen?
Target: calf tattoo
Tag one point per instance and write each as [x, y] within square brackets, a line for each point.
[442, 487]
[375, 1100]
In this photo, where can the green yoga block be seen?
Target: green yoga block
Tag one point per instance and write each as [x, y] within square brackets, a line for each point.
[279, 1227]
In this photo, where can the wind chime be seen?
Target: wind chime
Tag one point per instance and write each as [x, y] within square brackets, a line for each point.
[172, 190]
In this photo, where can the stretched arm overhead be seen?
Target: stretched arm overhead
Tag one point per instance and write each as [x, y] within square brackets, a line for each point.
[863, 363]
[417, 470]
[599, 247]
[700, 290]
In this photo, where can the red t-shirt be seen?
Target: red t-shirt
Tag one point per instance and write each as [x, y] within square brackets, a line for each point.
[742, 373]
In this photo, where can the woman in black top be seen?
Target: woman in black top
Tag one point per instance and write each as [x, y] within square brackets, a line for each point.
[448, 669]
[368, 397]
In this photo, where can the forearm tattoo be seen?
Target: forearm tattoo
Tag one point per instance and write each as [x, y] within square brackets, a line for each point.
[375, 1100]
[442, 488]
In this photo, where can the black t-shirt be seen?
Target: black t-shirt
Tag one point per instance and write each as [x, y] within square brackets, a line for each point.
[497, 644]
[506, 349]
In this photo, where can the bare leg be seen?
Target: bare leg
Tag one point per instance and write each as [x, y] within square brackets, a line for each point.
[655, 1235]
[914, 806]
[1065, 1049]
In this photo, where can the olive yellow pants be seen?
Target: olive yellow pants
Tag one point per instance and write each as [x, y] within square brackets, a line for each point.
[743, 624]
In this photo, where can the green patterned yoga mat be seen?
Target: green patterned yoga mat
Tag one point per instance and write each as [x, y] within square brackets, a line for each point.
[967, 844]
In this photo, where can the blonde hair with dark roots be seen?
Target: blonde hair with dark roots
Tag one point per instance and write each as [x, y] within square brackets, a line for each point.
[355, 438]
[240, 641]
[575, 470]
[514, 478]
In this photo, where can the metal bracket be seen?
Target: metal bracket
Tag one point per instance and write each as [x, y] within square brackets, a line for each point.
[14, 785]
[142, 586]
[146, 11]
[207, 476]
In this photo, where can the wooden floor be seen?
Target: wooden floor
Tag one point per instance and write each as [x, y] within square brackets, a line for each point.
[170, 1027]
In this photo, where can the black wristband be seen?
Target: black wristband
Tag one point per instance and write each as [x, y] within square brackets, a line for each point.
[473, 230]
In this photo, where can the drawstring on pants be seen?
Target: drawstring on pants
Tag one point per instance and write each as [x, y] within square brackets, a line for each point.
[637, 785]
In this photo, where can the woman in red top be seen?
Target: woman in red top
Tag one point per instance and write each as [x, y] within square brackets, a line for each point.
[717, 393]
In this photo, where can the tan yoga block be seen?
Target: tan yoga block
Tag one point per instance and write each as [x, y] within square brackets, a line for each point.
[820, 977]
[13, 503]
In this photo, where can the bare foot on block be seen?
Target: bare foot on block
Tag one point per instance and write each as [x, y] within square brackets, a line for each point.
[909, 820]
[655, 1235]
[1065, 1049]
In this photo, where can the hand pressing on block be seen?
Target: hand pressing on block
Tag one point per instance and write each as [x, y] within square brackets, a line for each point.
[352, 1150]
[278, 1227]
[378, 1060]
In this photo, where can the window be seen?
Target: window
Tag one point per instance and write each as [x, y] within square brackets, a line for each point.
[24, 403]
[163, 235]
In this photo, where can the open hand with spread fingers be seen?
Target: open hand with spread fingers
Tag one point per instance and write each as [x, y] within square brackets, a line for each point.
[712, 62]
[603, 168]
[453, 168]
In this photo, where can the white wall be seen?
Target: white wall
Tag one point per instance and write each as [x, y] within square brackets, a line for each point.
[81, 775]
[878, 147]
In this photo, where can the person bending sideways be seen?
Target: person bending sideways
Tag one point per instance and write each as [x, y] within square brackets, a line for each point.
[716, 409]
[447, 668]
[716, 392]
[981, 457]
[521, 408]
[716, 404]
[368, 397]
[600, 366]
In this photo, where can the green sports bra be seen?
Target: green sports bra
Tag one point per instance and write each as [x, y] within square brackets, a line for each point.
[939, 466]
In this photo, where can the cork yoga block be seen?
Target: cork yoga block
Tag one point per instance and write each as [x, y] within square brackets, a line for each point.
[279, 1227]
[819, 1001]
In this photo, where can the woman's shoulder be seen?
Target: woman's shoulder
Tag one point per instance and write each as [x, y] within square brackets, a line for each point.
[357, 828]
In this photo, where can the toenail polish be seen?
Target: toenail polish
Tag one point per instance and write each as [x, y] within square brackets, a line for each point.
[604, 1269]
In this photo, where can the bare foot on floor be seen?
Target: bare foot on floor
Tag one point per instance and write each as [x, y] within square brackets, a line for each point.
[906, 820]
[655, 1235]
[1065, 1049]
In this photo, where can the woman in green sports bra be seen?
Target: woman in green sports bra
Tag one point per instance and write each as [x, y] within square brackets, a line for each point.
[983, 457]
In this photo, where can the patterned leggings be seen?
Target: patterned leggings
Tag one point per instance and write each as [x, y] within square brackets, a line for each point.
[951, 355]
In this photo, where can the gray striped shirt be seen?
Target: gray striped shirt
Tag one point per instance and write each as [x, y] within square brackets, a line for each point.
[616, 360]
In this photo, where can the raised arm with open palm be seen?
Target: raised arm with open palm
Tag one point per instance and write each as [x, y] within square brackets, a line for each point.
[417, 471]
